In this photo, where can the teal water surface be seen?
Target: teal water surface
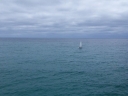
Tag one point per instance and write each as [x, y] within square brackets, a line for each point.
[56, 67]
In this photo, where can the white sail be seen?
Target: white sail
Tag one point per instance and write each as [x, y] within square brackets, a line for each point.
[80, 44]
[80, 47]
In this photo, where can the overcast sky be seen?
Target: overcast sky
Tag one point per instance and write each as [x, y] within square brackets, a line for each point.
[64, 18]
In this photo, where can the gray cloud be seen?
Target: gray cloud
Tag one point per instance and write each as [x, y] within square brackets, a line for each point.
[62, 18]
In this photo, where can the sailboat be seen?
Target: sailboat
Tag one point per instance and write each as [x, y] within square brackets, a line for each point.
[80, 47]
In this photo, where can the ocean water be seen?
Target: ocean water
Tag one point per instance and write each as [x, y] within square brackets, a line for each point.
[56, 67]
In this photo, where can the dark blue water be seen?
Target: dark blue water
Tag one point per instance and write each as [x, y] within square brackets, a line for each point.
[56, 67]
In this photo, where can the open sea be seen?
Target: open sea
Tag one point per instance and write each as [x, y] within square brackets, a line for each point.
[56, 67]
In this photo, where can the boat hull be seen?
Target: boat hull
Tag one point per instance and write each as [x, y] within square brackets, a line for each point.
[80, 47]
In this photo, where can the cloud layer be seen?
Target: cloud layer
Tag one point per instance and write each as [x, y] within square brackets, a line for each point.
[64, 18]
